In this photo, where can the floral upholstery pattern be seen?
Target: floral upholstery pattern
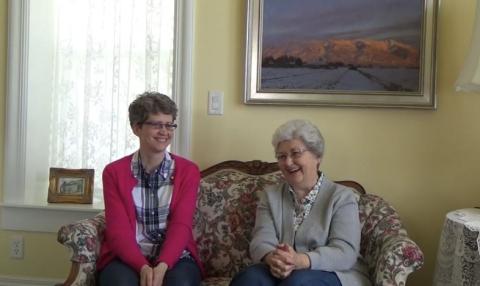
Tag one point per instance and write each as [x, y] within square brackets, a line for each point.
[83, 239]
[390, 254]
[224, 220]
[225, 217]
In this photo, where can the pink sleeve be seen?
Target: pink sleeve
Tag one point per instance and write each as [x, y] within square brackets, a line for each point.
[179, 228]
[119, 232]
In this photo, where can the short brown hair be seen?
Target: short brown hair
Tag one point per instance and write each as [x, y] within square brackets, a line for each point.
[150, 102]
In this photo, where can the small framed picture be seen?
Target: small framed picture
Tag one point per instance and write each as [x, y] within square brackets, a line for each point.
[71, 186]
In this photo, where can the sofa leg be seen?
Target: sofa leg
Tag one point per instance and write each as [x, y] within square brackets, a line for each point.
[72, 275]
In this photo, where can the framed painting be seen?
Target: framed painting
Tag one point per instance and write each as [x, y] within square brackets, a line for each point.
[70, 186]
[370, 53]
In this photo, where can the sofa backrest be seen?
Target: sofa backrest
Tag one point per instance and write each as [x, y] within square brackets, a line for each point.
[225, 214]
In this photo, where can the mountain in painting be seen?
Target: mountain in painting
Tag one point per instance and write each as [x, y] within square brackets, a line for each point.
[334, 53]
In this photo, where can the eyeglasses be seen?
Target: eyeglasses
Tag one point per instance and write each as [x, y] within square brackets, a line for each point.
[159, 125]
[294, 154]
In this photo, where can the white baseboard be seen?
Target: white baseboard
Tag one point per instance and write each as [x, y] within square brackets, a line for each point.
[27, 281]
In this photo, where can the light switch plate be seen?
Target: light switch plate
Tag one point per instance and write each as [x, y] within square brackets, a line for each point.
[215, 102]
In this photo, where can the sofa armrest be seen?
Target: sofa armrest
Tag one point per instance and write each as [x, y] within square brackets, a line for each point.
[399, 256]
[83, 239]
[386, 248]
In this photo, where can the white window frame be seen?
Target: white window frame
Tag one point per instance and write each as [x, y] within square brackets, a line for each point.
[16, 213]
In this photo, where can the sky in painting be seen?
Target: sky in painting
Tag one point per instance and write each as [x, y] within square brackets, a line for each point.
[290, 20]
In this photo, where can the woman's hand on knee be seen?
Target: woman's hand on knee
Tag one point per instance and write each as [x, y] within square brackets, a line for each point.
[159, 273]
[146, 276]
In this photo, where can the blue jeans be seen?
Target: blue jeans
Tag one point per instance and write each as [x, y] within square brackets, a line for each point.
[259, 275]
[185, 273]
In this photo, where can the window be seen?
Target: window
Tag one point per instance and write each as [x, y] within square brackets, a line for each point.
[74, 66]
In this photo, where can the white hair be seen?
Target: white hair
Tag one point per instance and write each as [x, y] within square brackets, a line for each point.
[303, 130]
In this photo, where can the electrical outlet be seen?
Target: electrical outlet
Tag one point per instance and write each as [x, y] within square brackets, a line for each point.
[16, 246]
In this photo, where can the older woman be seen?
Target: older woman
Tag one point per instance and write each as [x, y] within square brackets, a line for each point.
[307, 230]
[150, 200]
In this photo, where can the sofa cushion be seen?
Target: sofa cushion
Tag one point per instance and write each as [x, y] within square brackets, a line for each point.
[225, 218]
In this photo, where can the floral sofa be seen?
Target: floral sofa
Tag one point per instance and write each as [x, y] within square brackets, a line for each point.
[225, 217]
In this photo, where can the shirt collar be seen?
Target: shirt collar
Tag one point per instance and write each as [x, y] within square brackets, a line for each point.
[310, 197]
[162, 170]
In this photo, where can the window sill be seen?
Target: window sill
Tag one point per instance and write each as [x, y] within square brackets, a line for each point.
[43, 217]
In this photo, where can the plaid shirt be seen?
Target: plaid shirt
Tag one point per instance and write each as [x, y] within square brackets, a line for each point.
[152, 196]
[303, 207]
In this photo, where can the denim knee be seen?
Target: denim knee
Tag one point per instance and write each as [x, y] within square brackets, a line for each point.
[117, 273]
[257, 274]
[308, 277]
[185, 273]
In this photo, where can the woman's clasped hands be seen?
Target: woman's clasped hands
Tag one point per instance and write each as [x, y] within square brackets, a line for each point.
[153, 276]
[284, 259]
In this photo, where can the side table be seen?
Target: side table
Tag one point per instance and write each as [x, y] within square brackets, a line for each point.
[458, 257]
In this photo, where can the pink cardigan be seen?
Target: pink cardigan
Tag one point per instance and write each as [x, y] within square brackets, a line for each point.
[119, 240]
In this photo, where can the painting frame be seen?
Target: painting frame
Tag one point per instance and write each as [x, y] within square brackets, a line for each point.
[423, 98]
[73, 186]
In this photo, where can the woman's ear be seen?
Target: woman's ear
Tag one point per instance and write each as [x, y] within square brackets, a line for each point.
[136, 128]
[319, 161]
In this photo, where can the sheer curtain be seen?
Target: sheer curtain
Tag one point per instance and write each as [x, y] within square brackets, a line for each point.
[105, 52]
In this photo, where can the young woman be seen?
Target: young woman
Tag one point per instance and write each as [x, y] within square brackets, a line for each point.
[150, 200]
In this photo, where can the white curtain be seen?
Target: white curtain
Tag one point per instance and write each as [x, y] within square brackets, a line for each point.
[105, 53]
[469, 79]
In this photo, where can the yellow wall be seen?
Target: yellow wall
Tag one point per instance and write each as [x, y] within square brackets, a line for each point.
[423, 162]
